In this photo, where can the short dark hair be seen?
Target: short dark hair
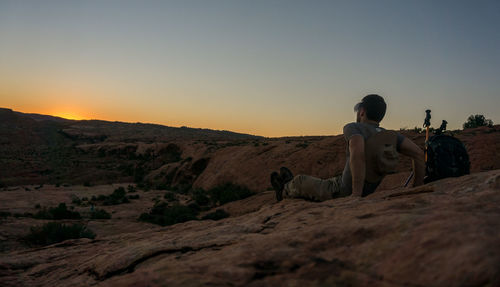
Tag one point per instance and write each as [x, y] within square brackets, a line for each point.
[375, 107]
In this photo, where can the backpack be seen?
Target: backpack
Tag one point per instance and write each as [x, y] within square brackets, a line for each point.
[446, 157]
[381, 155]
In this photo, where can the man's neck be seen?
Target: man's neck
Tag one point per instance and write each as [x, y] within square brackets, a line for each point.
[370, 122]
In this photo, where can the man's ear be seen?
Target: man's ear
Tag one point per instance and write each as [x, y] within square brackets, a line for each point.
[362, 112]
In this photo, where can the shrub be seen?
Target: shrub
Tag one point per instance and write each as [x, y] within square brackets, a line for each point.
[164, 215]
[100, 214]
[146, 186]
[117, 197]
[54, 232]
[162, 186]
[194, 206]
[87, 183]
[217, 215]
[136, 196]
[5, 214]
[38, 206]
[170, 196]
[183, 188]
[474, 121]
[229, 192]
[76, 200]
[59, 212]
[131, 189]
[200, 197]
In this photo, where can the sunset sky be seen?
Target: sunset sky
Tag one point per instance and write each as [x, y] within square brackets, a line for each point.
[271, 68]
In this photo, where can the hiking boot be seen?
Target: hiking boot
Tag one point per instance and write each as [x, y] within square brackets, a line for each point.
[286, 175]
[277, 183]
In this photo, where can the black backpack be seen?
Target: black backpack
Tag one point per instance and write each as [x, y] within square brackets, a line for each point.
[446, 157]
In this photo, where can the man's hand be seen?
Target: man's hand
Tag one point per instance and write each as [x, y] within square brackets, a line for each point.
[410, 149]
[357, 163]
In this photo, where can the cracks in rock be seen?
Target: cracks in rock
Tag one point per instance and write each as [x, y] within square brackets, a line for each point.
[425, 189]
[267, 224]
[131, 267]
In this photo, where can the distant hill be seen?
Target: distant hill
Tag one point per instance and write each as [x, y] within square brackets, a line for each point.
[116, 130]
[38, 148]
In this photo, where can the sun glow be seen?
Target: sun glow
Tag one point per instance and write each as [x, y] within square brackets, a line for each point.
[68, 115]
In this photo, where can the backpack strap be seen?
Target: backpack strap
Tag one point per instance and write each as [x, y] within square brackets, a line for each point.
[381, 155]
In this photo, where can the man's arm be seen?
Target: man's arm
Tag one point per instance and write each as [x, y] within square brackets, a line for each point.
[357, 163]
[410, 149]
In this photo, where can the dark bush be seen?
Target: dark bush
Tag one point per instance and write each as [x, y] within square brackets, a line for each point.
[136, 196]
[163, 215]
[474, 121]
[87, 183]
[38, 206]
[117, 197]
[182, 188]
[229, 192]
[59, 212]
[76, 200]
[145, 185]
[200, 197]
[194, 206]
[5, 214]
[162, 186]
[54, 232]
[131, 189]
[217, 215]
[100, 214]
[170, 196]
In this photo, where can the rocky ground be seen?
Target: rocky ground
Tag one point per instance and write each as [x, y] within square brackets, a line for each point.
[446, 233]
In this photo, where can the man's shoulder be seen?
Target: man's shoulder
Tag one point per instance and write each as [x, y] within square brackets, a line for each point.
[350, 126]
[352, 129]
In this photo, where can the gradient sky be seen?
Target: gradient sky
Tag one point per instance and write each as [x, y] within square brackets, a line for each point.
[271, 68]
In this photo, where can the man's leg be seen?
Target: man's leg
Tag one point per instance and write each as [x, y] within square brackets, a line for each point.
[312, 188]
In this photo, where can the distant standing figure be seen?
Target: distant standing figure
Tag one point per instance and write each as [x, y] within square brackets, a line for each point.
[372, 153]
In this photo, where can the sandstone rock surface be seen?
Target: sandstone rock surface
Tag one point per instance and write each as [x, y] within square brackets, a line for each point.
[446, 233]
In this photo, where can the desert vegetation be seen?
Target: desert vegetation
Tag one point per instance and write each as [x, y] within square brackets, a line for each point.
[474, 121]
[100, 214]
[54, 232]
[164, 213]
[57, 213]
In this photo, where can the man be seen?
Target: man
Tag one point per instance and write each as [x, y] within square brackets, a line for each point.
[367, 145]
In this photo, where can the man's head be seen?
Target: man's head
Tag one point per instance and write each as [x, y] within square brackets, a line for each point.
[371, 108]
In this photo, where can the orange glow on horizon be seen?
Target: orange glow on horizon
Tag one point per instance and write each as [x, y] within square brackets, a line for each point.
[68, 115]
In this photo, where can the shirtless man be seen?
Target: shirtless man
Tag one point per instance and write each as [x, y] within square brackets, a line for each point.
[353, 181]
